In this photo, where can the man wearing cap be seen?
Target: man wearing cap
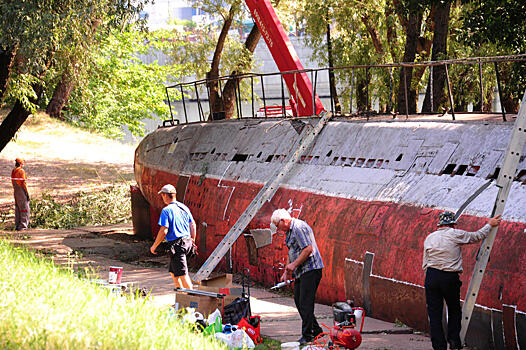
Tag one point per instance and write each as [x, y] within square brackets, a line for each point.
[178, 227]
[305, 265]
[443, 263]
[18, 179]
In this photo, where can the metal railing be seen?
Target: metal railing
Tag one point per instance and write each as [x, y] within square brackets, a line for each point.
[245, 90]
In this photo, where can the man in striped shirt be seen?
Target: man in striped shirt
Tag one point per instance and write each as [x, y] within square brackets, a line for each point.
[305, 265]
[443, 263]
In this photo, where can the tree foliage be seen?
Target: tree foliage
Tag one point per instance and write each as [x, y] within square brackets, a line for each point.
[498, 27]
[31, 34]
[118, 89]
[39, 29]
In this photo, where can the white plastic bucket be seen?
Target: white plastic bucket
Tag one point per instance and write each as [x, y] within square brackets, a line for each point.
[359, 315]
[294, 345]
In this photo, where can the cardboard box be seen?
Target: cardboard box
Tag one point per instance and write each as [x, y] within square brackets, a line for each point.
[201, 303]
[221, 284]
[227, 299]
[222, 281]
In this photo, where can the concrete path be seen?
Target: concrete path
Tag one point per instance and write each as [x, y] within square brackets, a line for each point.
[102, 247]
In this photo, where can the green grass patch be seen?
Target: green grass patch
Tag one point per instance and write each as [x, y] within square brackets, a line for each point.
[43, 306]
[109, 206]
[269, 344]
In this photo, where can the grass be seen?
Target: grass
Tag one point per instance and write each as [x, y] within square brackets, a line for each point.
[269, 344]
[43, 306]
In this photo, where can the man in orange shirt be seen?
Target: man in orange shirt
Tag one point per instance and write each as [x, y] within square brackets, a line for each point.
[18, 178]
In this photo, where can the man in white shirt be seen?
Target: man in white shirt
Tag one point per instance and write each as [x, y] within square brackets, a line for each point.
[443, 263]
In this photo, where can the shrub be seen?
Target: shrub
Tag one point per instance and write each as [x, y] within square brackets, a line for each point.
[109, 206]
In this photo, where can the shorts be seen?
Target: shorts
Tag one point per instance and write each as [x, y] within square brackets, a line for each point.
[177, 252]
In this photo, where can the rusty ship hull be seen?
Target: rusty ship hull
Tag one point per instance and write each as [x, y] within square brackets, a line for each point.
[371, 191]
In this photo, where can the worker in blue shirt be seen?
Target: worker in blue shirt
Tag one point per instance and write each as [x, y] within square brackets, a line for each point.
[178, 227]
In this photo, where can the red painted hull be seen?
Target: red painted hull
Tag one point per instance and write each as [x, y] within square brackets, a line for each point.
[393, 233]
[372, 249]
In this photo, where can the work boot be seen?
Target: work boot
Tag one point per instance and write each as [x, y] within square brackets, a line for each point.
[455, 346]
[316, 332]
[304, 340]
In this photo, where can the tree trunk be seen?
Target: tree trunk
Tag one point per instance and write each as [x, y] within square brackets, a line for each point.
[332, 78]
[7, 58]
[229, 91]
[68, 80]
[216, 103]
[412, 34]
[510, 104]
[439, 53]
[61, 94]
[230, 88]
[16, 117]
[362, 103]
[373, 33]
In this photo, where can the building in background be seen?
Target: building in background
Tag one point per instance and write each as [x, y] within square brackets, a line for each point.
[163, 14]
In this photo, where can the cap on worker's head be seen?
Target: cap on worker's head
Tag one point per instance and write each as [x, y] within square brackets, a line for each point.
[168, 189]
[446, 218]
[19, 161]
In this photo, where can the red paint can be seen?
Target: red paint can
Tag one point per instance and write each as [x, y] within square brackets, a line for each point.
[115, 275]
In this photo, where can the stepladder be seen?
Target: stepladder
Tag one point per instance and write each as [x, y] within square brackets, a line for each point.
[307, 137]
[504, 183]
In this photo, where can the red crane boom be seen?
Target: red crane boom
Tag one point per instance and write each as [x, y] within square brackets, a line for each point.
[286, 58]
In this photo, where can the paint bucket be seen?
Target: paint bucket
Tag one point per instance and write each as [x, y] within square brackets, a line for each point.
[358, 313]
[115, 275]
[293, 345]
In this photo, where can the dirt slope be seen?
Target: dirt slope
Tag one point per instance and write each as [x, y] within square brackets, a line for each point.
[62, 160]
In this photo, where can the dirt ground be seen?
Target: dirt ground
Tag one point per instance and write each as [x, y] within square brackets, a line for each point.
[61, 161]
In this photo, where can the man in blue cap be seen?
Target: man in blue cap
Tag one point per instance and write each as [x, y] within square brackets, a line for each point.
[178, 226]
[443, 263]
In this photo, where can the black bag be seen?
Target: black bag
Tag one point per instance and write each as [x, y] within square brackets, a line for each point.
[237, 310]
[240, 307]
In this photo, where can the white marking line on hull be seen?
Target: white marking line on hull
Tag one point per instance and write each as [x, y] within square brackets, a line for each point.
[231, 192]
[419, 286]
[354, 261]
[396, 281]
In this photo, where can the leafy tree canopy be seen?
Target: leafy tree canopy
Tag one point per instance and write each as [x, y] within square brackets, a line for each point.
[118, 88]
[38, 29]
